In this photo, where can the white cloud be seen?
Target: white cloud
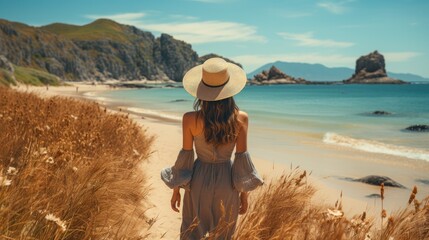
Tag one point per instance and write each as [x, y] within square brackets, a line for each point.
[251, 62]
[183, 17]
[307, 39]
[120, 17]
[191, 31]
[332, 7]
[124, 18]
[337, 7]
[399, 56]
[208, 31]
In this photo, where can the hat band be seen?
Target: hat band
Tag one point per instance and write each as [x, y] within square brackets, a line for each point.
[215, 86]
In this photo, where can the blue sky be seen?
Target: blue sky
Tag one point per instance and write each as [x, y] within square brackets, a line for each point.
[254, 32]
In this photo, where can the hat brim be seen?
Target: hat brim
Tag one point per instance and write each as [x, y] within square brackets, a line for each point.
[193, 84]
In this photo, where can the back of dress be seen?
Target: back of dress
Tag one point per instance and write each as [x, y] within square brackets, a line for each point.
[210, 153]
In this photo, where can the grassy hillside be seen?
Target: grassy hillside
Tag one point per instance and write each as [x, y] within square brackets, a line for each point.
[6, 78]
[60, 28]
[35, 77]
[28, 76]
[69, 170]
[22, 28]
[99, 29]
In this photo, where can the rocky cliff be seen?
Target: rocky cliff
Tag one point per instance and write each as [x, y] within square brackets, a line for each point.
[7, 71]
[100, 50]
[202, 59]
[371, 69]
[275, 76]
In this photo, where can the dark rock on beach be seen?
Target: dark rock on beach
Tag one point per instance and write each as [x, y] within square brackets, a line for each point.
[424, 181]
[378, 180]
[418, 128]
[371, 69]
[374, 195]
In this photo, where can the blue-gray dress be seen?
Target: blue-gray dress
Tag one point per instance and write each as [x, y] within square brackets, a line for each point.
[208, 181]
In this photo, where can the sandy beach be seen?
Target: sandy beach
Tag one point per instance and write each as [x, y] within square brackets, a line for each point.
[307, 153]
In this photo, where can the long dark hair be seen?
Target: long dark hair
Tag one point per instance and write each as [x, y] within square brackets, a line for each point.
[221, 124]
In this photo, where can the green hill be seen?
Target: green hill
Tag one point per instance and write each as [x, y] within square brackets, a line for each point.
[28, 76]
[35, 77]
[99, 29]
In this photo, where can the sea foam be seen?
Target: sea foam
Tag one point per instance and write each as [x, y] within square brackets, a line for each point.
[375, 146]
[94, 96]
[155, 113]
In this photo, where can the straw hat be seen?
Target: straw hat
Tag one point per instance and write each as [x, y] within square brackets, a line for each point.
[214, 80]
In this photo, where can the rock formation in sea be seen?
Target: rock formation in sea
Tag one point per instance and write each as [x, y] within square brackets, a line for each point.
[381, 112]
[371, 69]
[100, 50]
[275, 76]
[418, 128]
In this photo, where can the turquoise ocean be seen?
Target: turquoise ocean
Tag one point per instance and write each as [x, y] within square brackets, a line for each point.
[332, 114]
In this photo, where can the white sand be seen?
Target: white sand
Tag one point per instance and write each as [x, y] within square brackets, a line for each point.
[312, 155]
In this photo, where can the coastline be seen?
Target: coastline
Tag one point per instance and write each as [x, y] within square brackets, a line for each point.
[309, 154]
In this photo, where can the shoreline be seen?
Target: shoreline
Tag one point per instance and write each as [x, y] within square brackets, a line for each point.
[353, 163]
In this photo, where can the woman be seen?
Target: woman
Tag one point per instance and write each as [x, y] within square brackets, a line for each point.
[215, 187]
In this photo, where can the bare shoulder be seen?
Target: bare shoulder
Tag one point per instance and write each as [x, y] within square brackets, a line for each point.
[243, 119]
[191, 122]
[243, 116]
[189, 116]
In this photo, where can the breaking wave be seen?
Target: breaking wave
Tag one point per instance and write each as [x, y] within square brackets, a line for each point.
[94, 96]
[154, 113]
[375, 146]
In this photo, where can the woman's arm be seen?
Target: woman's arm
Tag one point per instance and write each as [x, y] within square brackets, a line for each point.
[244, 204]
[241, 145]
[187, 120]
[187, 144]
[175, 199]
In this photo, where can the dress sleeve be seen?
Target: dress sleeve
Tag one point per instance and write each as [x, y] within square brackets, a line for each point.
[244, 175]
[180, 174]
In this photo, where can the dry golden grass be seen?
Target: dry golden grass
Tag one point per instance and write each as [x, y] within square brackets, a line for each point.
[282, 210]
[68, 170]
[411, 222]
